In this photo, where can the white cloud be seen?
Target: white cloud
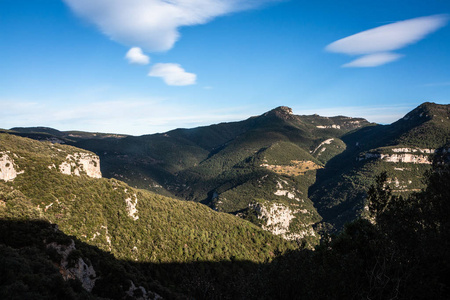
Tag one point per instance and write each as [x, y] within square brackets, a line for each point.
[153, 24]
[136, 56]
[381, 40]
[373, 60]
[173, 74]
[389, 37]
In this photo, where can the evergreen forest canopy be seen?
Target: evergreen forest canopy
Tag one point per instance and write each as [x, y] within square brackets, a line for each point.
[314, 170]
[72, 236]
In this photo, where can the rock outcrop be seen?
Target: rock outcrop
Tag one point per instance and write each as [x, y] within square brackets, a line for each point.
[74, 267]
[334, 126]
[131, 207]
[278, 218]
[81, 162]
[7, 167]
[405, 155]
[326, 142]
[142, 292]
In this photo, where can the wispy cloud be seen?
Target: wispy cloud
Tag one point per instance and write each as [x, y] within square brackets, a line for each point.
[172, 74]
[377, 43]
[153, 24]
[136, 56]
[373, 60]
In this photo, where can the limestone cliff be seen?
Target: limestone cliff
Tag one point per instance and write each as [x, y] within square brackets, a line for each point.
[131, 203]
[74, 267]
[7, 167]
[278, 218]
[405, 155]
[80, 162]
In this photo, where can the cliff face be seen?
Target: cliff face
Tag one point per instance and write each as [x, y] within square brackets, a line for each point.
[21, 155]
[278, 219]
[76, 163]
[74, 267]
[402, 155]
[71, 266]
[132, 202]
[7, 167]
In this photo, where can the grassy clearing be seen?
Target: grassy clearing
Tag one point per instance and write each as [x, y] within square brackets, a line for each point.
[295, 168]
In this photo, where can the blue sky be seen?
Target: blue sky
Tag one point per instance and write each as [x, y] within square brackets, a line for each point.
[146, 66]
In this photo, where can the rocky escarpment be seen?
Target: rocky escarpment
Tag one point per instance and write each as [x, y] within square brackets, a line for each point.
[322, 147]
[71, 266]
[7, 167]
[80, 162]
[131, 203]
[404, 155]
[278, 218]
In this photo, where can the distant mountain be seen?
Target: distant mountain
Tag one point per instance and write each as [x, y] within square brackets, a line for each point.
[250, 168]
[290, 174]
[53, 135]
[404, 149]
[66, 232]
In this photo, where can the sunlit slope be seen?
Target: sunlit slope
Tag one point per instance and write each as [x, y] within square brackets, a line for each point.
[132, 224]
[265, 163]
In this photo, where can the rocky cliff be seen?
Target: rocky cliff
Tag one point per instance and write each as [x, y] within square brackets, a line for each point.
[7, 167]
[80, 162]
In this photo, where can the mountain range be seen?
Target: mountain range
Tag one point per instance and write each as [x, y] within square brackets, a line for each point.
[293, 175]
[107, 216]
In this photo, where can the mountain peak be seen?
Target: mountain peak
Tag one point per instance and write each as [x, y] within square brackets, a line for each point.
[283, 109]
[427, 111]
[282, 112]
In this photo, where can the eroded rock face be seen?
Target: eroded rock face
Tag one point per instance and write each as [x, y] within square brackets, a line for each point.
[278, 218]
[407, 158]
[405, 155]
[291, 194]
[81, 162]
[78, 270]
[144, 295]
[329, 126]
[7, 170]
[131, 207]
[326, 142]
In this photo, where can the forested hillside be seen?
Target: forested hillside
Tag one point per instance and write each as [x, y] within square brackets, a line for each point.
[293, 175]
[44, 183]
[399, 252]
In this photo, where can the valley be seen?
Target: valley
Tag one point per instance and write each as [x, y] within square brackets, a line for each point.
[322, 165]
[246, 197]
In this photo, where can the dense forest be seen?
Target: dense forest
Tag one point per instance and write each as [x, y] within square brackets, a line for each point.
[298, 209]
[400, 252]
